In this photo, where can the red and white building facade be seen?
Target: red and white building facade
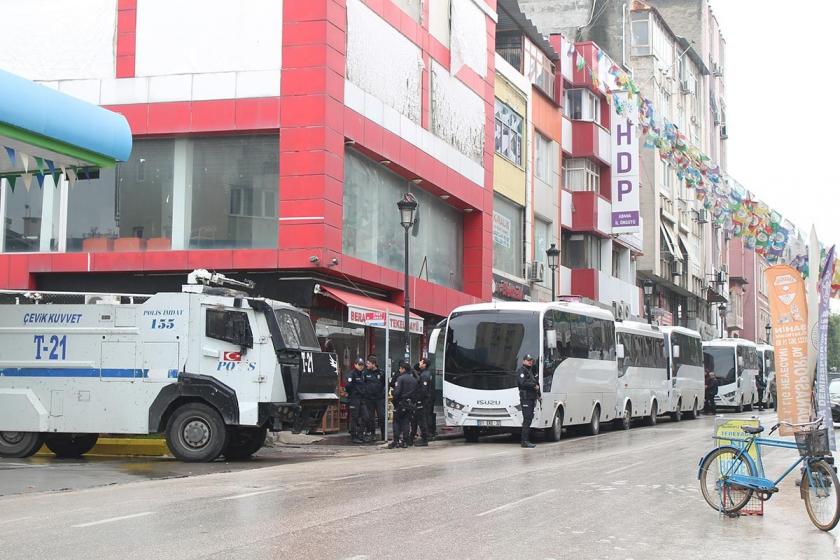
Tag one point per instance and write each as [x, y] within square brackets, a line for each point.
[272, 140]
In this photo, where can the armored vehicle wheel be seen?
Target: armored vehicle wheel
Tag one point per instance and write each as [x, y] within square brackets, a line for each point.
[70, 446]
[243, 442]
[18, 445]
[196, 433]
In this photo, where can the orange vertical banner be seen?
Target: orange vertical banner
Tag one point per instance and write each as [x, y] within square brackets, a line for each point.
[789, 311]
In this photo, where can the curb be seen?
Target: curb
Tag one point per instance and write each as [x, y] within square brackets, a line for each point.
[124, 447]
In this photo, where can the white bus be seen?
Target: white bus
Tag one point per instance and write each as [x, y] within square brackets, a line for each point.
[685, 371]
[767, 369]
[644, 386]
[734, 362]
[484, 345]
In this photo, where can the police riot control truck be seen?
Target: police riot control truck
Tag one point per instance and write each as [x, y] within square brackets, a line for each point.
[211, 367]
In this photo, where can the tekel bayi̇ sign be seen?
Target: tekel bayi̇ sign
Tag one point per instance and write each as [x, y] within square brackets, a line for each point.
[625, 168]
[789, 312]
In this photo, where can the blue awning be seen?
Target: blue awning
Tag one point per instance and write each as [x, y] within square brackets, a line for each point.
[45, 123]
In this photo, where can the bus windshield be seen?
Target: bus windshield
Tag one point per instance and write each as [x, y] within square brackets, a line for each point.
[721, 360]
[484, 348]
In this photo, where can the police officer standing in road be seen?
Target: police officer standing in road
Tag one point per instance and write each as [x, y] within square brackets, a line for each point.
[375, 388]
[529, 393]
[354, 386]
[405, 399]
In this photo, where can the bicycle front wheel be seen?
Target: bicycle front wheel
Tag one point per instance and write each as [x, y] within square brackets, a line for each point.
[715, 472]
[822, 501]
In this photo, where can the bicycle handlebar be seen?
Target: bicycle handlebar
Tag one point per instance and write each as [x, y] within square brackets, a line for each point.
[817, 422]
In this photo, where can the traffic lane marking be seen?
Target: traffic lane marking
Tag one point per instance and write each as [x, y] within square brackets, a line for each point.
[113, 519]
[625, 467]
[515, 503]
[347, 477]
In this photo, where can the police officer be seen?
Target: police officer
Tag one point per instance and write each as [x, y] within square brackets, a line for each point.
[529, 393]
[374, 396]
[405, 398]
[354, 386]
[425, 403]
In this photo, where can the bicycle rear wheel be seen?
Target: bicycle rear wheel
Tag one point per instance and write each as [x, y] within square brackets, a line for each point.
[717, 490]
[822, 500]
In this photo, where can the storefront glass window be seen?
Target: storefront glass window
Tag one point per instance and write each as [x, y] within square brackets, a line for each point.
[372, 229]
[233, 199]
[145, 192]
[31, 218]
[91, 213]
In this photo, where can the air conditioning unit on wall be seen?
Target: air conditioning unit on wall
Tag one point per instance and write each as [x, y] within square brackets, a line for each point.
[534, 271]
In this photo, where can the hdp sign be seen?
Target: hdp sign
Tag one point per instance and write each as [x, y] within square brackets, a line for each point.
[625, 166]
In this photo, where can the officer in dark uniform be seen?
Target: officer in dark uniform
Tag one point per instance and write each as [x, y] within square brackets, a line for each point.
[425, 403]
[375, 395]
[529, 393]
[354, 386]
[405, 399]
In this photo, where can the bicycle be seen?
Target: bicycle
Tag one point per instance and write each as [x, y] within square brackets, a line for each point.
[738, 476]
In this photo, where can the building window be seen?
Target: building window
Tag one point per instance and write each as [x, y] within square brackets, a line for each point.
[509, 47]
[616, 261]
[92, 216]
[32, 217]
[580, 250]
[539, 69]
[508, 238]
[233, 202]
[667, 178]
[546, 160]
[640, 33]
[372, 229]
[582, 105]
[762, 279]
[542, 241]
[508, 133]
[581, 174]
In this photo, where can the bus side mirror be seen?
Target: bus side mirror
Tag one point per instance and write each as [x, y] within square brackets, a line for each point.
[676, 351]
[619, 351]
[551, 339]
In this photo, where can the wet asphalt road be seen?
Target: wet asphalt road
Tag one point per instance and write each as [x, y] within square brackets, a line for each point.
[620, 495]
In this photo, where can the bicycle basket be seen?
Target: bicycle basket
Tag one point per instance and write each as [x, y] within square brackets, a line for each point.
[812, 443]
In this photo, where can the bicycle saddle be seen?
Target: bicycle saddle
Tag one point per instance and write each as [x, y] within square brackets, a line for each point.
[753, 429]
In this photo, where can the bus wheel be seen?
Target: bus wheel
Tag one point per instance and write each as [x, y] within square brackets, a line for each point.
[70, 446]
[626, 420]
[243, 442]
[555, 432]
[654, 412]
[694, 411]
[196, 433]
[19, 445]
[471, 434]
[676, 415]
[594, 426]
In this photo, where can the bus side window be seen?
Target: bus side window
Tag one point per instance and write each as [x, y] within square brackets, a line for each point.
[580, 337]
[596, 338]
[609, 340]
[564, 334]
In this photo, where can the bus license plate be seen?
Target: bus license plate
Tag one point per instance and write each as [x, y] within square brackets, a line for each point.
[489, 422]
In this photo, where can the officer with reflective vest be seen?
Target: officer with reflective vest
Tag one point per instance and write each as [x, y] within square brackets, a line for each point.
[529, 394]
[354, 386]
[405, 404]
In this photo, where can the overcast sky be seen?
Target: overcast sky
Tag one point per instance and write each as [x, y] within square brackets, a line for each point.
[784, 128]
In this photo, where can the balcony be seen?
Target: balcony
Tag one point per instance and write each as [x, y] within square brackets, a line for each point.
[589, 139]
[591, 213]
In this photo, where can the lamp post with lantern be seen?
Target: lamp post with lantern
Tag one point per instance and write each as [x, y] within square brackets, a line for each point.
[553, 255]
[407, 206]
[648, 285]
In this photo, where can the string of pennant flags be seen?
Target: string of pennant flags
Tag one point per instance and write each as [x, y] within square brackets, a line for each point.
[38, 168]
[731, 206]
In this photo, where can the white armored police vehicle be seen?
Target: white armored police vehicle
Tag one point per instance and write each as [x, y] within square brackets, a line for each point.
[211, 367]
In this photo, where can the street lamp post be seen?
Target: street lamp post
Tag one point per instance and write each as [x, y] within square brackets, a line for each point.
[647, 285]
[407, 206]
[722, 311]
[768, 330]
[553, 254]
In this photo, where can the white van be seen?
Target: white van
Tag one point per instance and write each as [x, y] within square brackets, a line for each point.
[734, 362]
[685, 371]
[643, 371]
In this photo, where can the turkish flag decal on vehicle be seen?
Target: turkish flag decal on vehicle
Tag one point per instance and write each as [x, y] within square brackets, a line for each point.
[231, 356]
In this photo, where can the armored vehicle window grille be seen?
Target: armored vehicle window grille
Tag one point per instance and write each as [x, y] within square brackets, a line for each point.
[230, 326]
